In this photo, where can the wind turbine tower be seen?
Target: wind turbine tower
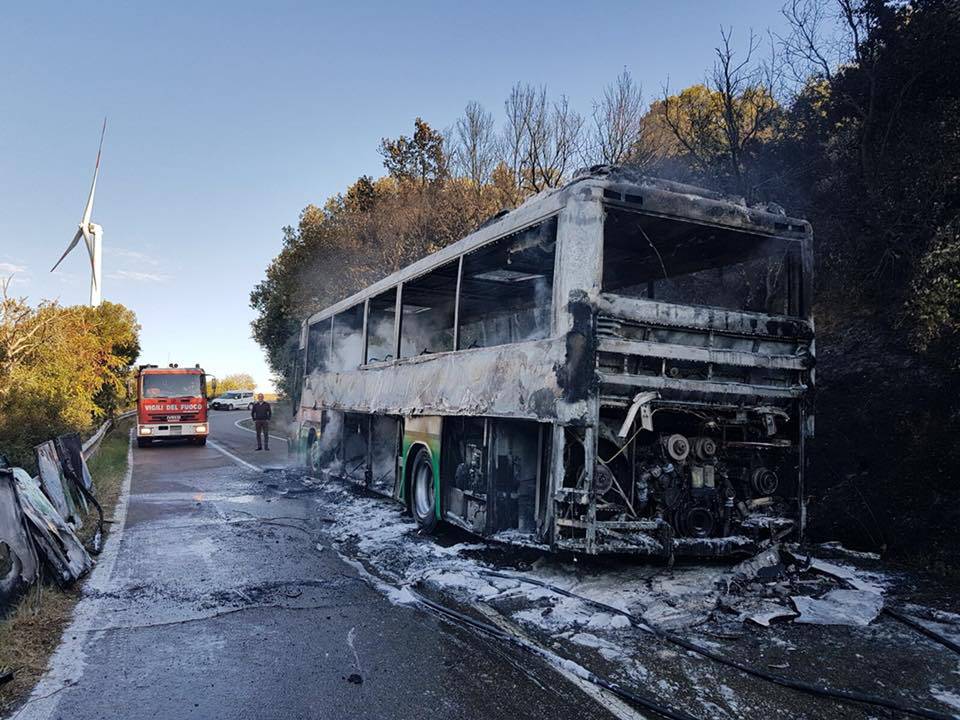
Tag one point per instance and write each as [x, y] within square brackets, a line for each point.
[91, 233]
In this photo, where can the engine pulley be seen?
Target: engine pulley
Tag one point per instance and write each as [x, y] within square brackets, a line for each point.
[705, 447]
[764, 481]
[602, 479]
[678, 447]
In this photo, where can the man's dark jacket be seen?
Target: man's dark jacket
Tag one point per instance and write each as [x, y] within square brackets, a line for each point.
[261, 411]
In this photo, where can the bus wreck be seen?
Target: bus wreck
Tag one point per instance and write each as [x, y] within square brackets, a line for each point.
[620, 365]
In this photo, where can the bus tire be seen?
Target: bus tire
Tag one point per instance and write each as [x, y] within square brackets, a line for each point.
[142, 443]
[200, 441]
[422, 491]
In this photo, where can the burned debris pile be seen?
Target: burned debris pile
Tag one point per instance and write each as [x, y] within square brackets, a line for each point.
[780, 583]
[40, 517]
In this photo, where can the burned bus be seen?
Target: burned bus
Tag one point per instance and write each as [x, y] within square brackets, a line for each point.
[620, 365]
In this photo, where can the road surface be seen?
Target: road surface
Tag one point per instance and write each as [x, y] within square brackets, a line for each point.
[220, 597]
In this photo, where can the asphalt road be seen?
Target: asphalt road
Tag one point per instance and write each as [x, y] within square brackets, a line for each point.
[219, 597]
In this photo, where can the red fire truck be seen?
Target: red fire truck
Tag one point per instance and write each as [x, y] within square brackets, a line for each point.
[171, 404]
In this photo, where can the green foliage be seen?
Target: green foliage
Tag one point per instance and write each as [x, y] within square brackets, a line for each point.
[62, 369]
[935, 300]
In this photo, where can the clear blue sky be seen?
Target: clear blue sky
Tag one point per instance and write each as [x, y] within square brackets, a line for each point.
[225, 119]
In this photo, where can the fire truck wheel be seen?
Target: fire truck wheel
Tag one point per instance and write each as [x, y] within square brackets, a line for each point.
[142, 442]
[422, 496]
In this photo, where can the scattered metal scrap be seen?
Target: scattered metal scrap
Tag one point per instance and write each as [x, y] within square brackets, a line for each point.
[39, 517]
[642, 623]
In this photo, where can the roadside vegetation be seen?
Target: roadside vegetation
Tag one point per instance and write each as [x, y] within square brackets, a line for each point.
[234, 381]
[30, 631]
[849, 119]
[62, 369]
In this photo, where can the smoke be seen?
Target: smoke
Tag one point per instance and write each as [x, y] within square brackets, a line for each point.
[328, 450]
[380, 338]
[347, 351]
[427, 330]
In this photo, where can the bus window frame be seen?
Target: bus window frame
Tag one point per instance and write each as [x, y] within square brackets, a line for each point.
[398, 312]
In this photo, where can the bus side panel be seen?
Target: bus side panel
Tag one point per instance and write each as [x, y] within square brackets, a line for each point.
[426, 432]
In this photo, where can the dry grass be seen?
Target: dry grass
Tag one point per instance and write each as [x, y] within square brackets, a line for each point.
[29, 635]
[31, 631]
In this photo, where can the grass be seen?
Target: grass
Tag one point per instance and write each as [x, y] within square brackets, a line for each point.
[31, 631]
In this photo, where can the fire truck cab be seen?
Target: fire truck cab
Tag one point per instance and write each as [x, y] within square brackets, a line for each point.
[171, 404]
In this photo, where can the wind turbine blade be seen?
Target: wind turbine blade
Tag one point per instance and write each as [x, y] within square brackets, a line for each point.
[71, 246]
[90, 239]
[88, 210]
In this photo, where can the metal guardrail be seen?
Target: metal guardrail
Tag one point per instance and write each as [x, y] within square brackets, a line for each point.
[93, 442]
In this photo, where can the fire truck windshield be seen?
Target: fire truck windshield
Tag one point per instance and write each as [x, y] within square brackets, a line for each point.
[172, 385]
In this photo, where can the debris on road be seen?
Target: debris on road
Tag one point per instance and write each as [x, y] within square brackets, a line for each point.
[750, 607]
[839, 607]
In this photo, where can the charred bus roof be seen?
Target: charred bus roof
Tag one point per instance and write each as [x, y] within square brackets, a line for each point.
[618, 186]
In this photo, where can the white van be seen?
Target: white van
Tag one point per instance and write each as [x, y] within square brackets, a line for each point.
[233, 400]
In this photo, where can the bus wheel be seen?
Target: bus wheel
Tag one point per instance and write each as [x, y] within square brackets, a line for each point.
[142, 442]
[422, 497]
[200, 441]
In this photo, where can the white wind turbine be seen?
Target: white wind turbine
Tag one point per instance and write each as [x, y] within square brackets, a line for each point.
[91, 233]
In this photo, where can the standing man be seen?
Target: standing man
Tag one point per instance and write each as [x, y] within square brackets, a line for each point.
[261, 413]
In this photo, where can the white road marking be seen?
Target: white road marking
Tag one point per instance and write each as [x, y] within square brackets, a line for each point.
[250, 430]
[240, 461]
[67, 664]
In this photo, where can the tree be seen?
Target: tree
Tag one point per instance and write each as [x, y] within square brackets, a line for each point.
[541, 139]
[420, 158]
[362, 195]
[475, 146]
[235, 381]
[620, 134]
[720, 124]
[61, 369]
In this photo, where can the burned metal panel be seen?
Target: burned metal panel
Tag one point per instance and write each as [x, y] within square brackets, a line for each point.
[19, 563]
[54, 537]
[693, 204]
[703, 318]
[503, 381]
[66, 498]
